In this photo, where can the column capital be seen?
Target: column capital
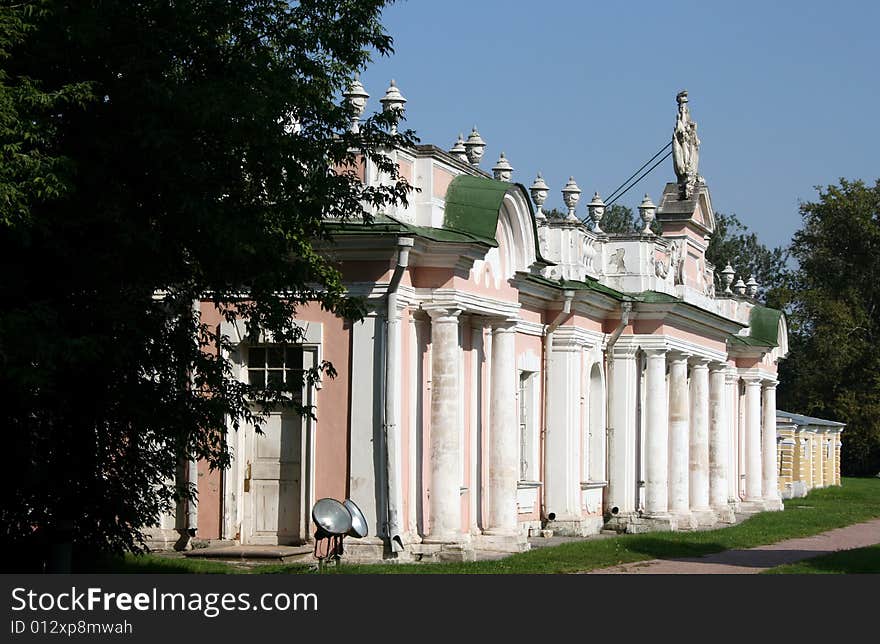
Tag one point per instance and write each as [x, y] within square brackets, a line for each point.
[769, 384]
[626, 352]
[507, 325]
[752, 380]
[716, 366]
[700, 362]
[655, 352]
[674, 355]
[441, 313]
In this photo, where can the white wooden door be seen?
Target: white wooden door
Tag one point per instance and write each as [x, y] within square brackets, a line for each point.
[273, 481]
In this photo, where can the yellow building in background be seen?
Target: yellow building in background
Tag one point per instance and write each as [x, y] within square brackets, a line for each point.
[808, 453]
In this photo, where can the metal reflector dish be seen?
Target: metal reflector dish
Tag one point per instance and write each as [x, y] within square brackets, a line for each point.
[358, 520]
[331, 516]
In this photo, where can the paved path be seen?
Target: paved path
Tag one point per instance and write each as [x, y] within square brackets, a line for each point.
[755, 560]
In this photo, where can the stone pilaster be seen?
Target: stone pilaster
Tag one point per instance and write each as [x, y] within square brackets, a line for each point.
[753, 443]
[719, 460]
[698, 451]
[503, 434]
[679, 425]
[656, 435]
[769, 479]
[622, 432]
[445, 487]
[562, 441]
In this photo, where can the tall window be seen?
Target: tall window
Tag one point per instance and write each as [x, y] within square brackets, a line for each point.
[528, 470]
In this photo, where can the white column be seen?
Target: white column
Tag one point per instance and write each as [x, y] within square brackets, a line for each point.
[622, 431]
[719, 460]
[503, 433]
[445, 487]
[770, 480]
[679, 421]
[656, 434]
[731, 398]
[753, 439]
[699, 436]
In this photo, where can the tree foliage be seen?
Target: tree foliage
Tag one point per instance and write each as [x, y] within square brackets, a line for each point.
[153, 153]
[733, 242]
[833, 370]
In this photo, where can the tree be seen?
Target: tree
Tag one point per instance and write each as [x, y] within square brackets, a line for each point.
[733, 243]
[154, 153]
[833, 370]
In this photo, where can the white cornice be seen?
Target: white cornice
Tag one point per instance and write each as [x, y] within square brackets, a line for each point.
[661, 342]
[473, 303]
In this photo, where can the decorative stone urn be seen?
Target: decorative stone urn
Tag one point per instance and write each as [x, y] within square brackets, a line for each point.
[571, 194]
[539, 190]
[356, 96]
[727, 275]
[502, 170]
[648, 212]
[475, 147]
[596, 208]
[458, 150]
[393, 102]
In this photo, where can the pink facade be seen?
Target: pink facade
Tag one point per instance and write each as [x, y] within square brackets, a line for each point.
[525, 367]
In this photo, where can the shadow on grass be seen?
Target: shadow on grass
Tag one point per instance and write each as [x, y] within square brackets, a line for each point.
[659, 548]
[845, 562]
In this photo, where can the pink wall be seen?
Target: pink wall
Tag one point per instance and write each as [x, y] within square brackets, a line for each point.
[442, 179]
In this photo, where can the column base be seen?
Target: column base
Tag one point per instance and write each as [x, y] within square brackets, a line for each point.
[685, 520]
[502, 542]
[575, 527]
[774, 504]
[725, 513]
[654, 522]
[752, 506]
[704, 517]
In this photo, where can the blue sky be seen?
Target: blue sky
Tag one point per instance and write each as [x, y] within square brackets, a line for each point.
[785, 94]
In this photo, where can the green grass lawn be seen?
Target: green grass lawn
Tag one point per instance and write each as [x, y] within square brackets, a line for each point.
[858, 500]
[845, 562]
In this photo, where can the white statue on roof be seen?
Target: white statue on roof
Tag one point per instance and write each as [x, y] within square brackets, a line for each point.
[685, 148]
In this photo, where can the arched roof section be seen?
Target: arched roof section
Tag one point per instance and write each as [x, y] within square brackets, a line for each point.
[476, 205]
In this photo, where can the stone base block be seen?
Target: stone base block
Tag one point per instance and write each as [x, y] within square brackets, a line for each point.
[705, 517]
[652, 523]
[501, 542]
[725, 514]
[752, 507]
[441, 552]
[366, 550]
[773, 505]
[685, 520]
[169, 539]
[575, 527]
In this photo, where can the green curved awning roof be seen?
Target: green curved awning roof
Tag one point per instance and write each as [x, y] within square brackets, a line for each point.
[763, 328]
[474, 203]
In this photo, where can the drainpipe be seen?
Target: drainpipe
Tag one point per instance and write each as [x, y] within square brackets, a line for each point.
[625, 310]
[548, 346]
[392, 399]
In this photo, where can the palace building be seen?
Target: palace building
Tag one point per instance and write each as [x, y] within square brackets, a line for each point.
[519, 372]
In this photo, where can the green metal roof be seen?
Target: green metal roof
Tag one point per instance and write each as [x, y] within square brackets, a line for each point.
[588, 284]
[763, 328]
[473, 204]
[472, 208]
